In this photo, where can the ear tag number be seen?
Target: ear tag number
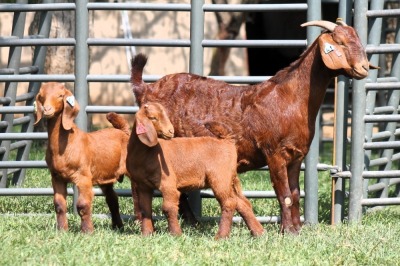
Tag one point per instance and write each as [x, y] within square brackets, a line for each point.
[140, 129]
[71, 100]
[328, 48]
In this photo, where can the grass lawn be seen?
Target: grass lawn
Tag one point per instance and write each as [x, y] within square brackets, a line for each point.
[28, 235]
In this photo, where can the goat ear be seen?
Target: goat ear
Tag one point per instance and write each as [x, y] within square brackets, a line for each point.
[332, 54]
[146, 132]
[37, 110]
[70, 111]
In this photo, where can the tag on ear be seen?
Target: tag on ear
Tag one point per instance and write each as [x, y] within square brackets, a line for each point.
[328, 48]
[35, 107]
[71, 100]
[140, 129]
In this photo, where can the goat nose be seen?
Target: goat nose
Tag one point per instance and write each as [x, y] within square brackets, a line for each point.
[47, 109]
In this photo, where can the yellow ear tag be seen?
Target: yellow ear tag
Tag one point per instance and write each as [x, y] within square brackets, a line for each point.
[34, 107]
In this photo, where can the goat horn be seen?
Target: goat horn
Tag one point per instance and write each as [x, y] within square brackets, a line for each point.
[321, 23]
[340, 22]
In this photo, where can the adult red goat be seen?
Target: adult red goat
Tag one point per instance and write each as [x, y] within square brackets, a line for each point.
[273, 122]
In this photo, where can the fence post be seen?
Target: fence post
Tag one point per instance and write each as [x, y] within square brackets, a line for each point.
[340, 126]
[358, 125]
[81, 67]
[311, 161]
[196, 67]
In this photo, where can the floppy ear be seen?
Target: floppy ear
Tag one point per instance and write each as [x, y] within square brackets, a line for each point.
[70, 111]
[332, 54]
[37, 110]
[146, 132]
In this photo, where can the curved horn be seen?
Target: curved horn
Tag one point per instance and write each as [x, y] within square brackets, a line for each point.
[321, 23]
[340, 22]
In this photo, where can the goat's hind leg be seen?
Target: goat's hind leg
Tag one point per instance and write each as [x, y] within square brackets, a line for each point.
[227, 200]
[113, 205]
[185, 211]
[245, 209]
[60, 203]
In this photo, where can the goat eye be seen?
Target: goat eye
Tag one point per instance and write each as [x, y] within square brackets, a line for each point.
[153, 118]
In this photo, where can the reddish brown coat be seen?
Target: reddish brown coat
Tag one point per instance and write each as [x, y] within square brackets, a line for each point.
[183, 164]
[273, 123]
[85, 159]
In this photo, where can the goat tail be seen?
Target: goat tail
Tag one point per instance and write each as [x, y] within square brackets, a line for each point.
[118, 122]
[137, 66]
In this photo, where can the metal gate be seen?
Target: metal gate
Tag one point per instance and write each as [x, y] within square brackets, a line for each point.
[196, 43]
[374, 158]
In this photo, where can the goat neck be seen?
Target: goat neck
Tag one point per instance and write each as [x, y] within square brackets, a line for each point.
[306, 79]
[58, 136]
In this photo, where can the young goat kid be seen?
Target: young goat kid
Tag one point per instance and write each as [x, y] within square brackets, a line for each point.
[183, 164]
[85, 159]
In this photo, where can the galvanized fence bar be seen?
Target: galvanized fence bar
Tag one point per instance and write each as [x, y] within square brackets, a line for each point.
[340, 130]
[10, 88]
[358, 126]
[312, 158]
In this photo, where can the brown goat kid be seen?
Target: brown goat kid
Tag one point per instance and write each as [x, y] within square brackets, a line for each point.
[85, 159]
[183, 164]
[273, 122]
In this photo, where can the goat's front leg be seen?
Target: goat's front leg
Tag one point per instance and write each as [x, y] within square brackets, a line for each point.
[170, 209]
[60, 203]
[135, 198]
[293, 173]
[279, 178]
[145, 197]
[112, 202]
[84, 204]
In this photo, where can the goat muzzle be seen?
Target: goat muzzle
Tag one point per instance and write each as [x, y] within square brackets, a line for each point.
[48, 111]
[360, 71]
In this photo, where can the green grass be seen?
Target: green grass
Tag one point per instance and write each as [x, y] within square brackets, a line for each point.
[32, 238]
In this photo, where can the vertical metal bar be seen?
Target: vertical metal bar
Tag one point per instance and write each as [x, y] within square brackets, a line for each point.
[358, 125]
[375, 37]
[395, 72]
[39, 58]
[81, 67]
[311, 161]
[196, 67]
[11, 87]
[340, 137]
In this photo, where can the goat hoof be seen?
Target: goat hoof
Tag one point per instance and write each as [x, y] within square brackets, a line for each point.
[257, 233]
[221, 237]
[291, 230]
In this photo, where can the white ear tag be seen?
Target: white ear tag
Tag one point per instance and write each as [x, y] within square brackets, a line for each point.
[328, 48]
[34, 107]
[71, 100]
